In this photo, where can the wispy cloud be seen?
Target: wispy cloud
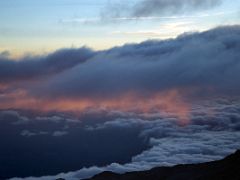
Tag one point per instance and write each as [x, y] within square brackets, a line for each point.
[102, 20]
[148, 8]
[164, 31]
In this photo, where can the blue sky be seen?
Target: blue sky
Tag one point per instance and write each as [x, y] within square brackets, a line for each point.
[41, 26]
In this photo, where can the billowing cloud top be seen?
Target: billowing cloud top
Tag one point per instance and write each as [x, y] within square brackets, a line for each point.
[202, 60]
[152, 74]
[36, 67]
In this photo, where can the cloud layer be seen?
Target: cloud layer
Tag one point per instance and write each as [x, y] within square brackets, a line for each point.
[154, 92]
[209, 136]
[201, 60]
[30, 68]
[153, 75]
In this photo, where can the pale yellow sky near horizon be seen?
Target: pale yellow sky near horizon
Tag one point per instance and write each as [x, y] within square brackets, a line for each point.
[25, 31]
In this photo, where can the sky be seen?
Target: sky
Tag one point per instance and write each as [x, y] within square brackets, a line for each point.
[121, 86]
[43, 26]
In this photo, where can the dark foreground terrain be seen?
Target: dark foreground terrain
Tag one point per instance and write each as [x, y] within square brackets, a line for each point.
[225, 169]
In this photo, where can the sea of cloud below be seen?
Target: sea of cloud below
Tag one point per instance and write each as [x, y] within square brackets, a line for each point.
[212, 133]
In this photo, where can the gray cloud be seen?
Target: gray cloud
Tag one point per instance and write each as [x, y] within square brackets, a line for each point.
[196, 64]
[14, 117]
[28, 133]
[147, 8]
[59, 133]
[4, 54]
[32, 67]
[24, 120]
[208, 61]
[170, 7]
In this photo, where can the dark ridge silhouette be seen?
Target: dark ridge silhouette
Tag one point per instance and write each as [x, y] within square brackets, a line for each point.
[225, 169]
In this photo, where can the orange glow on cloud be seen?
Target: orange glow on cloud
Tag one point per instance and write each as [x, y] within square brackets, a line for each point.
[169, 102]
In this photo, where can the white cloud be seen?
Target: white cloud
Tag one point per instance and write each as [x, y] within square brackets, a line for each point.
[28, 133]
[59, 133]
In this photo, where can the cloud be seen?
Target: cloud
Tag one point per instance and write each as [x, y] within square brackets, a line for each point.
[28, 133]
[4, 54]
[191, 60]
[141, 84]
[149, 8]
[49, 139]
[153, 75]
[30, 68]
[24, 120]
[116, 19]
[59, 133]
[14, 117]
[209, 136]
[29, 124]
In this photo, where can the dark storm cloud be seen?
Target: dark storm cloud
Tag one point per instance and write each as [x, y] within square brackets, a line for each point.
[208, 60]
[41, 66]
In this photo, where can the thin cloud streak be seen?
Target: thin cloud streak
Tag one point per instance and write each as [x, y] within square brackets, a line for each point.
[149, 8]
[99, 20]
